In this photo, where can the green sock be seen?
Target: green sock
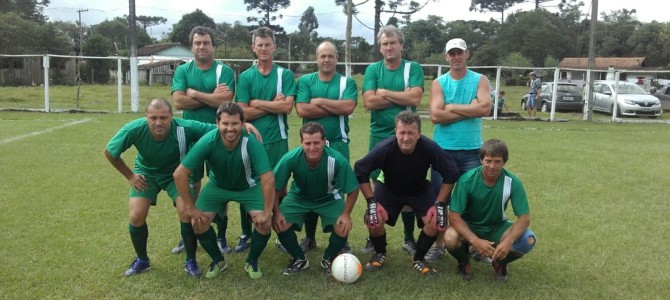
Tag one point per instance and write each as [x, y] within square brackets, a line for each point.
[258, 243]
[221, 222]
[461, 254]
[244, 222]
[310, 225]
[335, 244]
[408, 222]
[208, 242]
[290, 241]
[190, 241]
[139, 237]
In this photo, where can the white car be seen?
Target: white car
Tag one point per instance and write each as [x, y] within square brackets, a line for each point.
[632, 100]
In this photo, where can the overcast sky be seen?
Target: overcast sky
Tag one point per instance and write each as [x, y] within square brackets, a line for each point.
[331, 19]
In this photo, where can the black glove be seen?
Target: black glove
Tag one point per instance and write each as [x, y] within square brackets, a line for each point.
[440, 214]
[371, 212]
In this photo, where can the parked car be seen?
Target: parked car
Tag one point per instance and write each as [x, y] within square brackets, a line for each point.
[569, 97]
[662, 94]
[631, 101]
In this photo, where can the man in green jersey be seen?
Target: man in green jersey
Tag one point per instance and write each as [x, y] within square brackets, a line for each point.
[390, 86]
[198, 88]
[477, 214]
[326, 97]
[238, 163]
[321, 175]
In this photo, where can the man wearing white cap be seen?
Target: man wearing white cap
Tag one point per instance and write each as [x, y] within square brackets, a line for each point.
[458, 101]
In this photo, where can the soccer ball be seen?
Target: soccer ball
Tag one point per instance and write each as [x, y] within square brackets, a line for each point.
[346, 268]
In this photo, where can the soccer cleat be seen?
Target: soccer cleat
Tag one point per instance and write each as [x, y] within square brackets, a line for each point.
[244, 244]
[346, 248]
[216, 268]
[179, 248]
[138, 266]
[500, 271]
[423, 268]
[409, 246]
[478, 257]
[191, 268]
[434, 254]
[307, 244]
[296, 265]
[253, 270]
[327, 265]
[223, 245]
[376, 262]
[463, 269]
[369, 248]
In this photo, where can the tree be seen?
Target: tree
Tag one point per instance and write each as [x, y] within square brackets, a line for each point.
[31, 10]
[265, 8]
[147, 21]
[97, 70]
[652, 40]
[515, 59]
[493, 6]
[117, 31]
[619, 25]
[182, 29]
[308, 22]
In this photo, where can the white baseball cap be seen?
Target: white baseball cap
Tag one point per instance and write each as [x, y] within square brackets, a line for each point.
[455, 43]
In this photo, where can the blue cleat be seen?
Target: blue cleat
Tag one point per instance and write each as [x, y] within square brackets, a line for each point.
[138, 266]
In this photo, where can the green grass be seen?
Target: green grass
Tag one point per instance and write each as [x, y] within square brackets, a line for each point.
[597, 190]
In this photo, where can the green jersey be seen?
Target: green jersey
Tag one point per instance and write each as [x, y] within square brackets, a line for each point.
[157, 158]
[189, 76]
[233, 170]
[377, 76]
[483, 207]
[339, 87]
[252, 84]
[325, 182]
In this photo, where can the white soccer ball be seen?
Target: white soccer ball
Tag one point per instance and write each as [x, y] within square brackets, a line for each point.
[346, 268]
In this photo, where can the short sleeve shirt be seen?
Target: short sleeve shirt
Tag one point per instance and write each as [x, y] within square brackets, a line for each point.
[157, 158]
[233, 170]
[483, 207]
[378, 76]
[189, 75]
[252, 84]
[310, 86]
[327, 181]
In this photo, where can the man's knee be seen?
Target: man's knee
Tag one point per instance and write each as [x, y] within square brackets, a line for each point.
[525, 243]
[451, 238]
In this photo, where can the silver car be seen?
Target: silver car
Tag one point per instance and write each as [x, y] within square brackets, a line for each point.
[631, 101]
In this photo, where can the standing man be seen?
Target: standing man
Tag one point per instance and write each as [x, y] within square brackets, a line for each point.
[266, 92]
[477, 214]
[328, 98]
[405, 159]
[237, 163]
[198, 88]
[160, 141]
[533, 95]
[458, 101]
[390, 86]
[321, 177]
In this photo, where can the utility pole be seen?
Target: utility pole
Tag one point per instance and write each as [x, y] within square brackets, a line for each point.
[134, 85]
[81, 43]
[588, 114]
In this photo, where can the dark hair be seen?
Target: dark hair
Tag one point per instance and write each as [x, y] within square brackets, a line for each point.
[262, 32]
[495, 148]
[157, 102]
[201, 30]
[408, 117]
[230, 108]
[390, 30]
[312, 128]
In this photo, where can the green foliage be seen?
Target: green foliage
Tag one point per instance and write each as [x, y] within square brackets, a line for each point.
[618, 27]
[266, 9]
[148, 21]
[182, 29]
[97, 70]
[117, 31]
[30, 10]
[551, 61]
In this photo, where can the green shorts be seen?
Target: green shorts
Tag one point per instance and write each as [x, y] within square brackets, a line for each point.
[496, 234]
[374, 140]
[276, 150]
[341, 147]
[214, 199]
[295, 211]
[154, 186]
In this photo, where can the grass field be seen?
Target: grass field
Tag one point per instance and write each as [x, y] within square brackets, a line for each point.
[597, 192]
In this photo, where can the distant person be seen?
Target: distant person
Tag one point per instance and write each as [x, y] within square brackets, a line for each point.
[534, 101]
[501, 103]
[477, 214]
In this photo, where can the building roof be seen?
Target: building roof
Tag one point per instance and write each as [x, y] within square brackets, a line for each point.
[159, 63]
[154, 49]
[603, 63]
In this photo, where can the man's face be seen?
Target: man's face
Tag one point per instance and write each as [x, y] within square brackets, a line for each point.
[159, 119]
[457, 58]
[312, 145]
[326, 59]
[407, 136]
[230, 127]
[390, 47]
[492, 166]
[264, 48]
[202, 48]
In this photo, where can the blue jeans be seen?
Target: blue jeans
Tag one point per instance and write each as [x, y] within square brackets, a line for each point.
[466, 160]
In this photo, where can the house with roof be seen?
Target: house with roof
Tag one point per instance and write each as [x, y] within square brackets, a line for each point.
[156, 63]
[631, 69]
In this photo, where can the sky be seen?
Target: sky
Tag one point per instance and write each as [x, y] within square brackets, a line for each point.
[332, 20]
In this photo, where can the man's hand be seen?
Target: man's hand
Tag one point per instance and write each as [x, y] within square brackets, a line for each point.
[191, 93]
[484, 247]
[278, 222]
[221, 88]
[138, 182]
[198, 219]
[375, 214]
[344, 223]
[501, 251]
[261, 218]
